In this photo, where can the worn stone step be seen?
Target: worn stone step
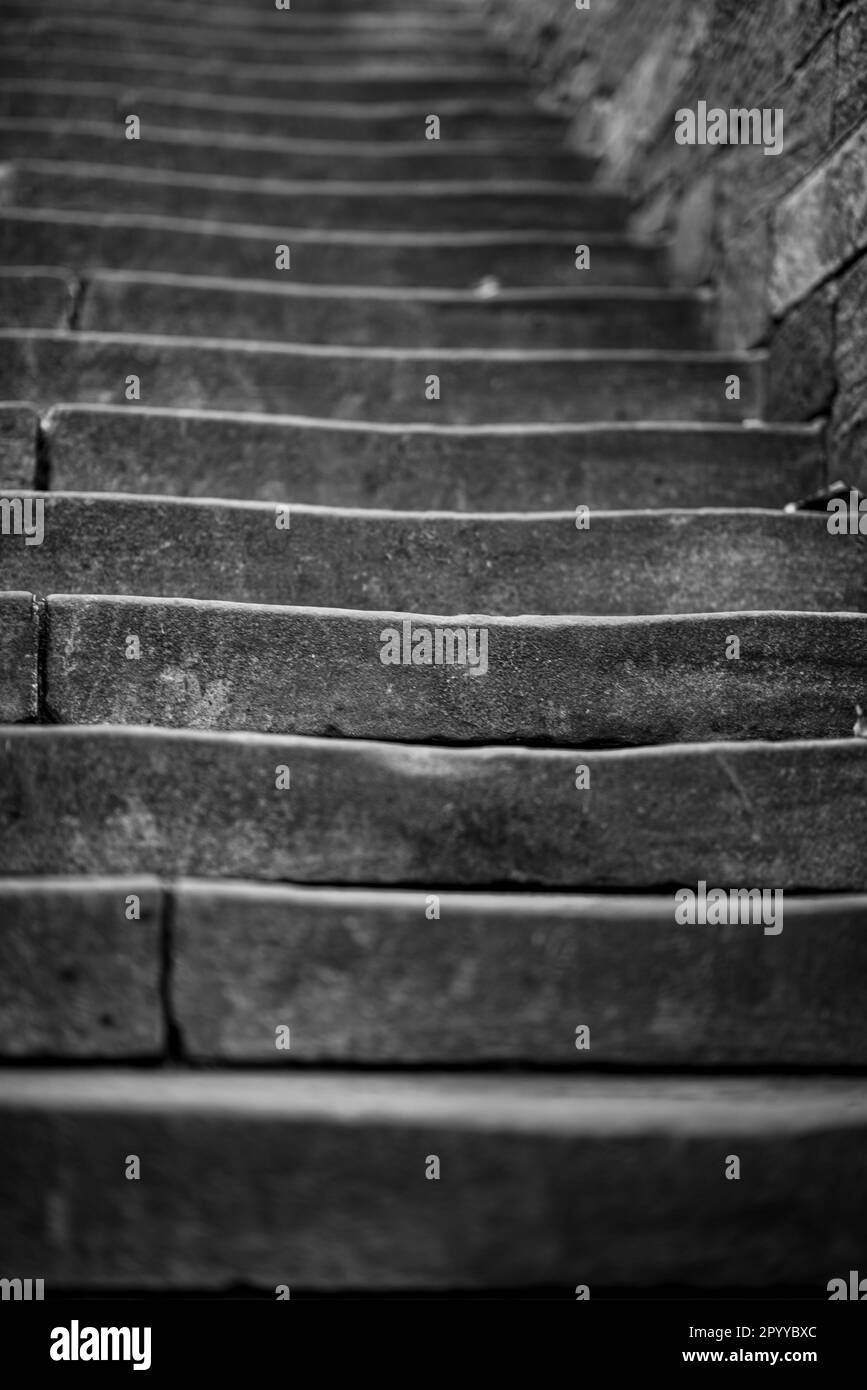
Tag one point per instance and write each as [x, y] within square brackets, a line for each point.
[86, 240]
[548, 1181]
[19, 634]
[627, 563]
[128, 800]
[454, 679]
[36, 297]
[476, 385]
[374, 78]
[419, 205]
[18, 436]
[257, 157]
[193, 453]
[209, 306]
[304, 17]
[516, 122]
[511, 978]
[82, 968]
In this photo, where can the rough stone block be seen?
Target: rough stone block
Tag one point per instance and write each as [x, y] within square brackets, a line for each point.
[18, 652]
[849, 415]
[39, 298]
[801, 360]
[18, 426]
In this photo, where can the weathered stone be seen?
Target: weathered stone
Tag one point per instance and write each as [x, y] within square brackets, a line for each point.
[188, 453]
[320, 18]
[790, 816]
[821, 224]
[476, 385]
[626, 563]
[39, 298]
[204, 306]
[568, 681]
[544, 1181]
[850, 98]
[421, 204]
[18, 426]
[18, 652]
[801, 360]
[458, 259]
[231, 153]
[81, 977]
[509, 978]
[849, 415]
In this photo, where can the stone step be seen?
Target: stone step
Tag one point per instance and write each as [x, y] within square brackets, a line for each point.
[476, 385]
[210, 306]
[130, 800]
[418, 205]
[626, 563]
[191, 453]
[334, 46]
[18, 443]
[506, 978]
[36, 297]
[81, 977]
[514, 123]
[555, 1181]
[257, 157]
[460, 260]
[375, 78]
[19, 634]
[304, 18]
[574, 682]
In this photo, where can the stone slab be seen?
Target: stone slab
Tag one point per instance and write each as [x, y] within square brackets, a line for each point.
[188, 453]
[32, 297]
[235, 153]
[80, 980]
[566, 681]
[543, 1181]
[328, 18]
[625, 564]
[18, 650]
[462, 260]
[18, 427]
[208, 306]
[109, 800]
[418, 204]
[476, 385]
[508, 978]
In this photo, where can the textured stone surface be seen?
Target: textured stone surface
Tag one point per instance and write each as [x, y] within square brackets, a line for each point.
[524, 318]
[850, 98]
[18, 424]
[459, 259]
[39, 298]
[119, 800]
[423, 204]
[849, 414]
[258, 156]
[518, 468]
[822, 223]
[638, 562]
[80, 979]
[477, 385]
[18, 647]
[510, 978]
[542, 1181]
[577, 682]
[801, 360]
[517, 122]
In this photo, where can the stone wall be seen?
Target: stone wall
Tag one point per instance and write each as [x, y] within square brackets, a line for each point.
[783, 239]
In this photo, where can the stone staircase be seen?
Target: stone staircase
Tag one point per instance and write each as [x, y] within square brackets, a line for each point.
[374, 967]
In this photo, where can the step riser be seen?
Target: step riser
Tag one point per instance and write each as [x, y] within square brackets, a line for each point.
[30, 237]
[19, 633]
[36, 299]
[198, 152]
[344, 970]
[629, 564]
[509, 122]
[605, 322]
[384, 206]
[51, 368]
[324, 1178]
[776, 816]
[185, 454]
[18, 441]
[572, 684]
